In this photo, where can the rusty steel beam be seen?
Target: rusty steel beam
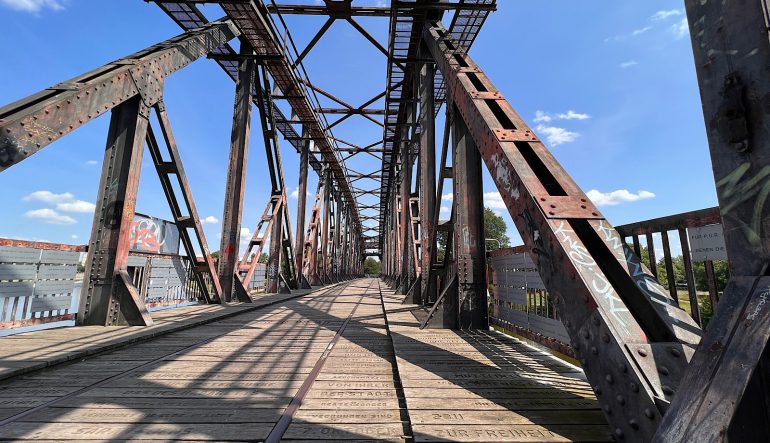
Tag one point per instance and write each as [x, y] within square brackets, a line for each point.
[427, 185]
[184, 212]
[15, 243]
[301, 215]
[469, 241]
[188, 16]
[692, 219]
[623, 325]
[724, 396]
[236, 182]
[254, 22]
[109, 295]
[30, 124]
[344, 9]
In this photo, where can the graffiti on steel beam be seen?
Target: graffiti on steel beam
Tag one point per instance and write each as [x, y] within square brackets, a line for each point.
[588, 266]
[737, 187]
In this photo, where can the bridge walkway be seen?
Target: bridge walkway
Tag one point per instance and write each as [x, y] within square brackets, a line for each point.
[345, 362]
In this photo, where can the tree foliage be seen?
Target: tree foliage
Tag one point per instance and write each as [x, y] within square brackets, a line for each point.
[494, 228]
[372, 266]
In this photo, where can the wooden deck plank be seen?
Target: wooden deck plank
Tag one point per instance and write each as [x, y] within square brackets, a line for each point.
[477, 386]
[232, 378]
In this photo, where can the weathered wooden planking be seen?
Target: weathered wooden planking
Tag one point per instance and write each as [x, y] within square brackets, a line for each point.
[12, 254]
[59, 257]
[49, 303]
[16, 289]
[54, 287]
[12, 271]
[500, 393]
[120, 414]
[350, 431]
[470, 417]
[348, 416]
[168, 403]
[511, 433]
[125, 431]
[491, 404]
[57, 272]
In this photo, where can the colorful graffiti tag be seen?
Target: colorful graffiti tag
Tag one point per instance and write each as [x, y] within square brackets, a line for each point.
[150, 234]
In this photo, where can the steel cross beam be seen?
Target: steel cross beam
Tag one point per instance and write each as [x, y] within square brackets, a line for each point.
[32, 123]
[623, 325]
[129, 87]
[253, 17]
[187, 16]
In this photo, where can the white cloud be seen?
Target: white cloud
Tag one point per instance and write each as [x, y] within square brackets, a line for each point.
[541, 116]
[76, 206]
[246, 234]
[681, 29]
[50, 216]
[32, 5]
[448, 197]
[92, 162]
[445, 209]
[49, 197]
[295, 193]
[493, 200]
[628, 64]
[617, 197]
[634, 33]
[662, 15]
[210, 220]
[544, 117]
[557, 136]
[65, 202]
[74, 236]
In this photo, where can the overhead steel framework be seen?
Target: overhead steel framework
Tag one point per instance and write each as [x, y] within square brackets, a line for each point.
[657, 375]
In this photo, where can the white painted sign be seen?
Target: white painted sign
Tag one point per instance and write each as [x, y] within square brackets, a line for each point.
[707, 243]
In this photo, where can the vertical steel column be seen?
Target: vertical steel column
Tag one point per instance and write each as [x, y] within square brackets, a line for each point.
[301, 208]
[405, 222]
[274, 260]
[427, 178]
[336, 246]
[110, 297]
[236, 174]
[725, 393]
[470, 258]
[325, 228]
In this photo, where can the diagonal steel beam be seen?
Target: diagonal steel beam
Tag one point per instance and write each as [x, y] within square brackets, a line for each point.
[32, 123]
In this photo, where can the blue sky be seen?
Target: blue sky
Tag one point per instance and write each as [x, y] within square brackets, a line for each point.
[609, 85]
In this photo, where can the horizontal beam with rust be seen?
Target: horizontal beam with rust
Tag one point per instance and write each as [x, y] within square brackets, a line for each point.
[32, 123]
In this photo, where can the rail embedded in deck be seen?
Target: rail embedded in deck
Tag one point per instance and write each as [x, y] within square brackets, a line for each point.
[349, 358]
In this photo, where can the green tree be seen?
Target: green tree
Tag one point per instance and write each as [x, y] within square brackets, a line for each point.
[494, 228]
[372, 266]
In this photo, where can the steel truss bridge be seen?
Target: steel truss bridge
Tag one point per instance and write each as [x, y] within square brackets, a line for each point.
[328, 354]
